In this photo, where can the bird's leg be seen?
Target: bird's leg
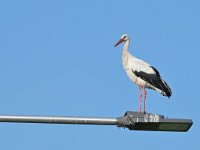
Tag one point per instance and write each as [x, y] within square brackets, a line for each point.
[140, 100]
[145, 96]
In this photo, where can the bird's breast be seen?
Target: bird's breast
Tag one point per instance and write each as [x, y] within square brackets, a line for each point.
[130, 72]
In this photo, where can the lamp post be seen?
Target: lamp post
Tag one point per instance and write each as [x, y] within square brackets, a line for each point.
[131, 120]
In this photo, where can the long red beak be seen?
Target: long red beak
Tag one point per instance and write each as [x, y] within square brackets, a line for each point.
[119, 42]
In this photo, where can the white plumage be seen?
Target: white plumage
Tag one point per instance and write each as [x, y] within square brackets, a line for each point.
[141, 73]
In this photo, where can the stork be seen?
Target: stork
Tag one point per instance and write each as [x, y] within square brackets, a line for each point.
[141, 73]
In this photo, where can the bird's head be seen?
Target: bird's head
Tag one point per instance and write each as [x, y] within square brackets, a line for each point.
[124, 38]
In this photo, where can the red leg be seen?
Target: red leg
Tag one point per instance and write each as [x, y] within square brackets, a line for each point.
[145, 96]
[140, 100]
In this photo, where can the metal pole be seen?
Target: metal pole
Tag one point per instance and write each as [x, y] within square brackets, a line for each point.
[58, 120]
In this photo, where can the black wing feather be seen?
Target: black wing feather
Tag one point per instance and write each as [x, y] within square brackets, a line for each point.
[154, 80]
[156, 71]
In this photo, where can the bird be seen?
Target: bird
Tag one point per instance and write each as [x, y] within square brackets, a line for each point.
[142, 74]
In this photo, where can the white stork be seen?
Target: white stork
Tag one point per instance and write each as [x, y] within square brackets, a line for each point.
[141, 73]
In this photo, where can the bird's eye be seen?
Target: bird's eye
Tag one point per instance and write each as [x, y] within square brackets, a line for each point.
[124, 37]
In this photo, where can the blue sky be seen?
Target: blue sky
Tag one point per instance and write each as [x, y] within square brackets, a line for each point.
[57, 58]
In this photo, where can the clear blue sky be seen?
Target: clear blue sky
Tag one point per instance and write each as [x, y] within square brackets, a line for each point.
[57, 58]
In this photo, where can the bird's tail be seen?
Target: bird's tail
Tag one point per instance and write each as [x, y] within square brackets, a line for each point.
[166, 90]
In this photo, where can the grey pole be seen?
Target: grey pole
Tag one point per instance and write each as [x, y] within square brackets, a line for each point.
[58, 120]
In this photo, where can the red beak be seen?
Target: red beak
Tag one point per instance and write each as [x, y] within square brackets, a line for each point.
[119, 42]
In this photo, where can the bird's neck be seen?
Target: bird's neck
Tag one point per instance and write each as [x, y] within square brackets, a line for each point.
[125, 49]
[125, 53]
